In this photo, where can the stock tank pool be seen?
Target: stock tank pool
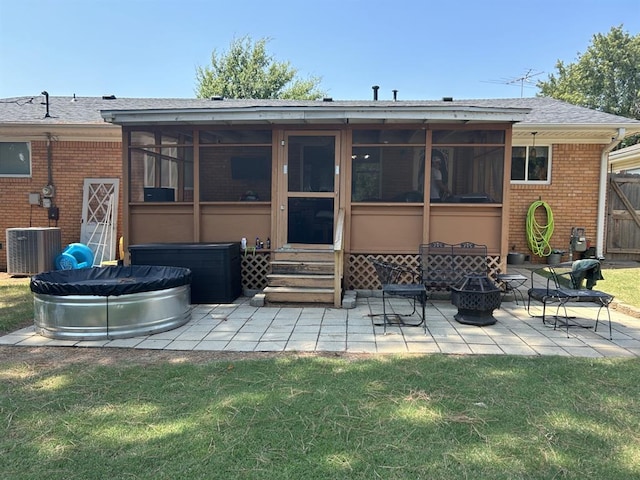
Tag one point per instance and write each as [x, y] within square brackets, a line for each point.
[111, 302]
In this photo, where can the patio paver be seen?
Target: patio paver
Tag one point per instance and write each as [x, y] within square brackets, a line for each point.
[240, 327]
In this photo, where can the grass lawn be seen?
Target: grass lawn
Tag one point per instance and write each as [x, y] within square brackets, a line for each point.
[312, 417]
[16, 304]
[624, 283]
[431, 417]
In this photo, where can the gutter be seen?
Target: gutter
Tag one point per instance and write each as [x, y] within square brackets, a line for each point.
[326, 113]
[602, 193]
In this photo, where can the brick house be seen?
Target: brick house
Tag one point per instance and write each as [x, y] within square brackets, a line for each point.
[301, 173]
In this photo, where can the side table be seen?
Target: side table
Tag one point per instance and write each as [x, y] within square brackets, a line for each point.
[511, 283]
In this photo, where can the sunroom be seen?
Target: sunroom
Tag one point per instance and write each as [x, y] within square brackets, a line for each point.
[305, 181]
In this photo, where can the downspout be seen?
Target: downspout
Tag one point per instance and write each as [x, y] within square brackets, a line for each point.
[602, 194]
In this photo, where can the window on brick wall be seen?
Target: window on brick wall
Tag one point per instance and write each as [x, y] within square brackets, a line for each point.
[531, 164]
[15, 159]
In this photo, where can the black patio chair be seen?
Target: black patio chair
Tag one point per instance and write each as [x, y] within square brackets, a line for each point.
[399, 281]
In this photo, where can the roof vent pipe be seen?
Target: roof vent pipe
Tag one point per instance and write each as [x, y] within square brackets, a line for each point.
[46, 102]
[375, 92]
[395, 95]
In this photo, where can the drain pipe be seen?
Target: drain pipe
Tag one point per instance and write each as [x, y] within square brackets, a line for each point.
[602, 194]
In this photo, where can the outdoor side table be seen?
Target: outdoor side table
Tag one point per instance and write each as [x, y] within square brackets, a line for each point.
[512, 282]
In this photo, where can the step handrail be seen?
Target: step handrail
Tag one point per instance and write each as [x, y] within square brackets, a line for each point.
[338, 257]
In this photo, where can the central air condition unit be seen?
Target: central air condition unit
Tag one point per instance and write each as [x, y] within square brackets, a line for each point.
[32, 250]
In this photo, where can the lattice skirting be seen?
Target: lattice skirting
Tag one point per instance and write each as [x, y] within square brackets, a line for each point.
[359, 273]
[255, 268]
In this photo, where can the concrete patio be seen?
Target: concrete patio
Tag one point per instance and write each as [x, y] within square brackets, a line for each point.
[240, 327]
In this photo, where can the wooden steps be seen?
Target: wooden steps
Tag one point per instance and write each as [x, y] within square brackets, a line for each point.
[301, 276]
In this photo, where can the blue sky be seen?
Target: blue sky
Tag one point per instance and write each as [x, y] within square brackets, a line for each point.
[424, 49]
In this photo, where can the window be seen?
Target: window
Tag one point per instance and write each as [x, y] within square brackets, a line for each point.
[388, 166]
[15, 159]
[530, 164]
[471, 174]
[235, 165]
[161, 165]
[469, 164]
[232, 173]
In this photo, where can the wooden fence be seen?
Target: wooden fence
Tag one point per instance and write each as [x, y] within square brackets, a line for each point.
[623, 222]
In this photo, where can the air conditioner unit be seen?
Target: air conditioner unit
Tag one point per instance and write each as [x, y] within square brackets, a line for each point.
[32, 250]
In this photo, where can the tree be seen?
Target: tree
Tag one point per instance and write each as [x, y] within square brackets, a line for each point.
[606, 77]
[247, 71]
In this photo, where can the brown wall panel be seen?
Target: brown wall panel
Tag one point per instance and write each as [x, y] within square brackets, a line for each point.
[160, 223]
[457, 224]
[386, 229]
[229, 223]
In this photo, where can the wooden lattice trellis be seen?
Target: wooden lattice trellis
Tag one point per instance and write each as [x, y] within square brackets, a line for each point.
[255, 268]
[360, 274]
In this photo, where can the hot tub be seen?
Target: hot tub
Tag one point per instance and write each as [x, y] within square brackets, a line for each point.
[111, 302]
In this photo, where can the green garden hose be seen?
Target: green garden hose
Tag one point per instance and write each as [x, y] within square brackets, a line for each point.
[538, 236]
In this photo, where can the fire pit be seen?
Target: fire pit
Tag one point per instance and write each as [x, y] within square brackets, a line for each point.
[476, 298]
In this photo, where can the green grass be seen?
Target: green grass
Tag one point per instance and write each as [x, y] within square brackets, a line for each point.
[623, 283]
[431, 417]
[16, 304]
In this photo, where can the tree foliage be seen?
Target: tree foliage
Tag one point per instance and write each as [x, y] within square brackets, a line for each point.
[606, 77]
[248, 71]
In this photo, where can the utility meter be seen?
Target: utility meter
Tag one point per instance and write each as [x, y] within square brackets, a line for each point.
[48, 191]
[578, 240]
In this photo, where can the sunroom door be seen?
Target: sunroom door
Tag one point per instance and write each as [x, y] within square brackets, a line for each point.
[311, 172]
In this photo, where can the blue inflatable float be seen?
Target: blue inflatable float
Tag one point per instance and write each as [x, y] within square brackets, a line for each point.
[76, 255]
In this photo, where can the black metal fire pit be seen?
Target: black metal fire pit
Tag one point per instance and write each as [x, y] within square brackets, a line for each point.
[476, 298]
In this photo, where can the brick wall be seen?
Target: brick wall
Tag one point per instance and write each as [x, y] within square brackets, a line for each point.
[572, 196]
[72, 162]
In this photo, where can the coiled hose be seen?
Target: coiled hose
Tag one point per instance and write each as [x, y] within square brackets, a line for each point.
[539, 236]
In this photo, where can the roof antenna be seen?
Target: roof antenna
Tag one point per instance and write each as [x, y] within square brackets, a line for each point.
[46, 102]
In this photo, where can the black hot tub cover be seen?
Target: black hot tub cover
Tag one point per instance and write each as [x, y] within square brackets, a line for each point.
[110, 281]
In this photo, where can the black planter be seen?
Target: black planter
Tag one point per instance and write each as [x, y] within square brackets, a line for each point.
[476, 298]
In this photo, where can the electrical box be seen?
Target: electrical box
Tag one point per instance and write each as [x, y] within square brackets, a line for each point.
[54, 213]
[34, 199]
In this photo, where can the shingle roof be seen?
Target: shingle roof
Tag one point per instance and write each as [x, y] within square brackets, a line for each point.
[86, 110]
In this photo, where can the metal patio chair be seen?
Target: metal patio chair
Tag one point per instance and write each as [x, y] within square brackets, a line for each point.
[399, 281]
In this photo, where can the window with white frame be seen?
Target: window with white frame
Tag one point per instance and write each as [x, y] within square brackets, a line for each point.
[15, 159]
[531, 164]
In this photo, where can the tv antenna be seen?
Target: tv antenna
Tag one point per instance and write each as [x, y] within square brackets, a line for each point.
[523, 80]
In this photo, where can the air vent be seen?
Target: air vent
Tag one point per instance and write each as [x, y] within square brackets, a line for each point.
[108, 97]
[447, 99]
[217, 98]
[327, 99]
[32, 250]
